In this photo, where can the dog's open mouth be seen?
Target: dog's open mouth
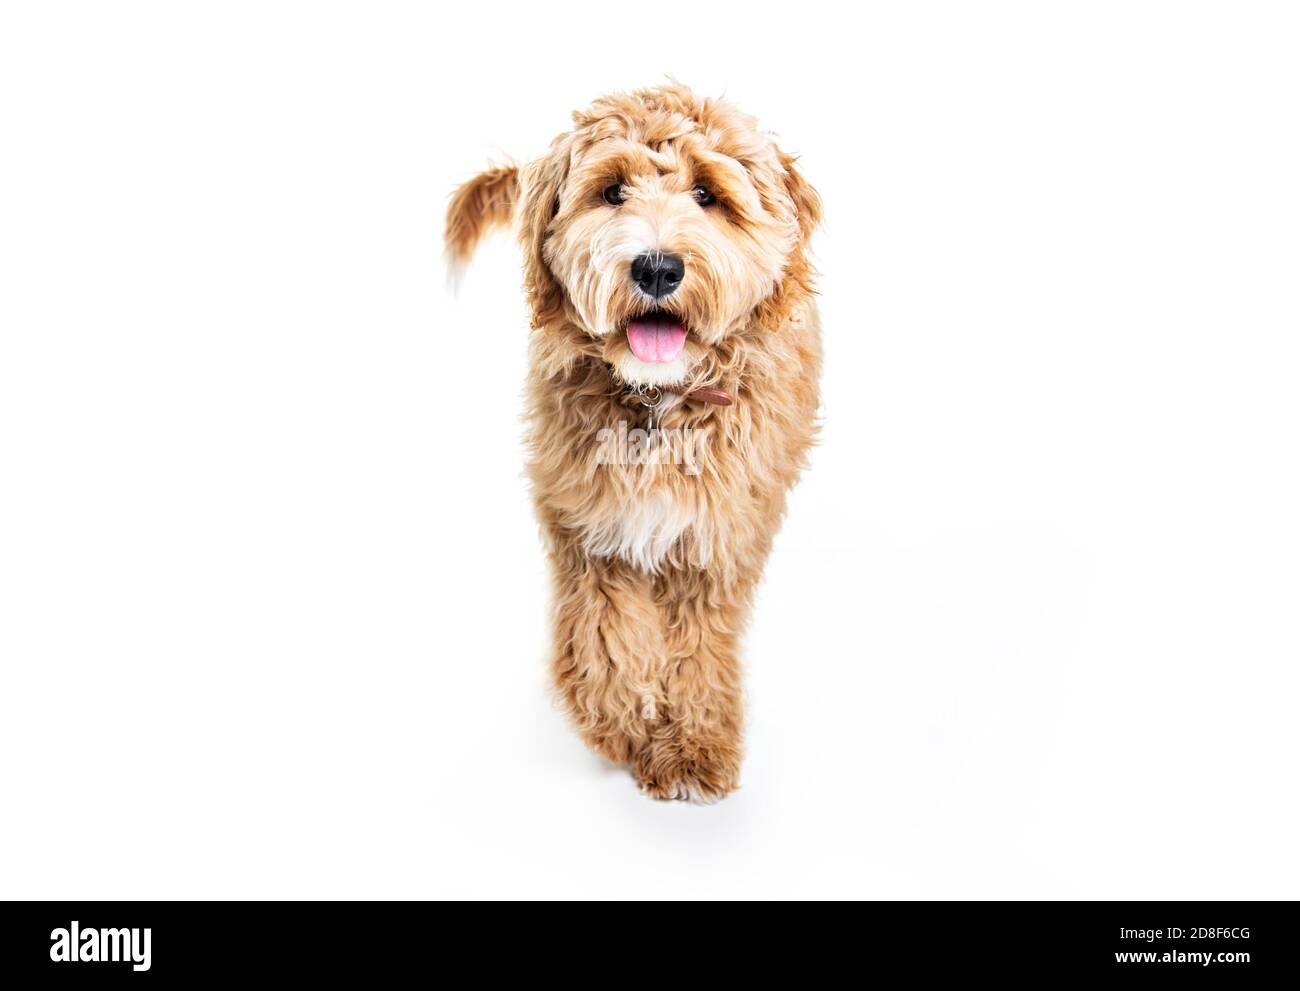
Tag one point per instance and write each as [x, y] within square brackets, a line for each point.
[656, 337]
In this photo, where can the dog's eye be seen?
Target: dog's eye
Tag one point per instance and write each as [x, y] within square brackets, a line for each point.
[613, 194]
[703, 197]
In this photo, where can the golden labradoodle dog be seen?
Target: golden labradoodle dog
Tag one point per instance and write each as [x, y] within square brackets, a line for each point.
[671, 401]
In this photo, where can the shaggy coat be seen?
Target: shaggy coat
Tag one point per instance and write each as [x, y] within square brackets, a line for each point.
[655, 559]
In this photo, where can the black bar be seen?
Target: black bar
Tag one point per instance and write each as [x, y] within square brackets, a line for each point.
[1222, 942]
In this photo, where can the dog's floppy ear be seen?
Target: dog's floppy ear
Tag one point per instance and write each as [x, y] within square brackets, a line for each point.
[484, 203]
[807, 204]
[542, 181]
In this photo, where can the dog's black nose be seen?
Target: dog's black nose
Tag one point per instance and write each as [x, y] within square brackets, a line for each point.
[658, 274]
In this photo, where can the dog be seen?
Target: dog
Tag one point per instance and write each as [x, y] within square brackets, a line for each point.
[666, 267]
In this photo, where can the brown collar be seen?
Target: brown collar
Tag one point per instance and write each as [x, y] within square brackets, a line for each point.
[715, 397]
[651, 397]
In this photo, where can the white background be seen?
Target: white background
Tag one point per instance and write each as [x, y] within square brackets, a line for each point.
[273, 612]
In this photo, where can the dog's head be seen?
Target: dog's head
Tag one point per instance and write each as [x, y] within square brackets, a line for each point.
[657, 227]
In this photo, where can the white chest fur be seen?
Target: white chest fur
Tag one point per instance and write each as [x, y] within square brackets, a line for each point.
[644, 532]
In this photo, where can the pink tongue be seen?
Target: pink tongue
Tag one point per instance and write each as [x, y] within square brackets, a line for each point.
[656, 342]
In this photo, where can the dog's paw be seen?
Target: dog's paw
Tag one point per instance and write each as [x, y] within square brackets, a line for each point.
[699, 771]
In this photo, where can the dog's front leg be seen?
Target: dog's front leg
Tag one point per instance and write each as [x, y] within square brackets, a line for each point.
[609, 649]
[695, 750]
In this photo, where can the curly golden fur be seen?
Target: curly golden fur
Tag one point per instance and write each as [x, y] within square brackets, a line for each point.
[655, 562]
